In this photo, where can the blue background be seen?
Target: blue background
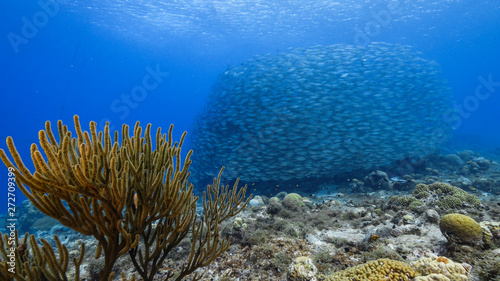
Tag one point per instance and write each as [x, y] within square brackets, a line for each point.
[88, 54]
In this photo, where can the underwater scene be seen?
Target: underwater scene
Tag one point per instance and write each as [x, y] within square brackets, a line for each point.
[291, 140]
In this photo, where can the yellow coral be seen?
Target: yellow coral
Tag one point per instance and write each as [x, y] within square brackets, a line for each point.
[381, 269]
[124, 191]
[461, 229]
[432, 268]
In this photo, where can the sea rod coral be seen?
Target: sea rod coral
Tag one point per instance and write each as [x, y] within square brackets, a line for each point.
[27, 261]
[130, 193]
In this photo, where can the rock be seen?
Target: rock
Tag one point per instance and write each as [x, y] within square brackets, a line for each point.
[432, 216]
[238, 224]
[484, 183]
[408, 218]
[483, 164]
[453, 160]
[302, 269]
[281, 195]
[273, 207]
[465, 155]
[377, 180]
[434, 268]
[274, 199]
[256, 201]
[293, 201]
[491, 233]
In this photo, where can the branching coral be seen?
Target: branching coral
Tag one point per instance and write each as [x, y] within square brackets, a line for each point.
[117, 190]
[27, 261]
[219, 205]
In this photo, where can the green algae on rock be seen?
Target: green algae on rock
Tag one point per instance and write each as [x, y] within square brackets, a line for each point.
[447, 197]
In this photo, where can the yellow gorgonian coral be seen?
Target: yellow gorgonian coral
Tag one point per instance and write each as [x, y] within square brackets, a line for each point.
[129, 192]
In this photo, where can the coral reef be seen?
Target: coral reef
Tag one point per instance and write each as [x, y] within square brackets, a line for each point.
[427, 268]
[25, 260]
[445, 196]
[293, 201]
[461, 229]
[453, 160]
[441, 268]
[490, 267]
[491, 233]
[302, 269]
[130, 197]
[437, 277]
[335, 227]
[381, 269]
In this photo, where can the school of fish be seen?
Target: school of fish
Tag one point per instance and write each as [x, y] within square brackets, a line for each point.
[321, 111]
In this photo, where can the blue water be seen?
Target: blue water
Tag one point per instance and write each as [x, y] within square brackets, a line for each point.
[61, 58]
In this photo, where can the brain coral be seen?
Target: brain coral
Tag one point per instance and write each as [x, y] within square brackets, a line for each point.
[461, 229]
[381, 269]
[293, 201]
[320, 111]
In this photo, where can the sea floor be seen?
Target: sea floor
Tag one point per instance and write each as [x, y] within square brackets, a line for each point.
[342, 225]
